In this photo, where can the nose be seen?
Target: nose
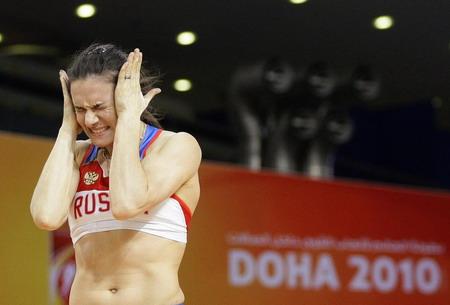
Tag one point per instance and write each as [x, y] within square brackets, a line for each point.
[90, 118]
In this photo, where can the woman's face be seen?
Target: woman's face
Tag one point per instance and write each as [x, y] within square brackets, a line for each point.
[93, 100]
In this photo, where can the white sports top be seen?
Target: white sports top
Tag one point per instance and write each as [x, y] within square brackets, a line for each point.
[90, 210]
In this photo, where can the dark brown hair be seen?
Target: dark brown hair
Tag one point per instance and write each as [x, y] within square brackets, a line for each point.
[106, 60]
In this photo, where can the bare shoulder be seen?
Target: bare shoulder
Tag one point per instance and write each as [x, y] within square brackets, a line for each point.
[80, 149]
[178, 141]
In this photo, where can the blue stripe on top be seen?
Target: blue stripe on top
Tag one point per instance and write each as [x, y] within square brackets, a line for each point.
[92, 155]
[150, 133]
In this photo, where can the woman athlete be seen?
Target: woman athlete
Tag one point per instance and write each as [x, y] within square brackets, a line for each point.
[128, 192]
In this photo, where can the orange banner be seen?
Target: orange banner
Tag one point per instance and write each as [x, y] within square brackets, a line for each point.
[267, 239]
[262, 238]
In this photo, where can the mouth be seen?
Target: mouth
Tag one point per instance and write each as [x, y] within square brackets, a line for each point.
[98, 131]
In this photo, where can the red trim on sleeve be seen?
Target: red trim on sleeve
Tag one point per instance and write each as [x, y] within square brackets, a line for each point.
[186, 210]
[151, 141]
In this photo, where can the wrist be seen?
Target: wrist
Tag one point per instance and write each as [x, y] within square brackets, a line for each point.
[129, 110]
[128, 118]
[67, 133]
[126, 137]
[128, 124]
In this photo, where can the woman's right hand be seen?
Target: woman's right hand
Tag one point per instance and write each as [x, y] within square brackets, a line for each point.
[69, 124]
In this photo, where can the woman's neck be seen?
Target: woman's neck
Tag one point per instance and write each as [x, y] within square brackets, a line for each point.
[109, 149]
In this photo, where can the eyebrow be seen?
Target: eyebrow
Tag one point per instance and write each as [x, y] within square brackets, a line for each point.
[97, 104]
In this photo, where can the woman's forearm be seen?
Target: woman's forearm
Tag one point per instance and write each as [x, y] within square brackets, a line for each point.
[56, 185]
[128, 182]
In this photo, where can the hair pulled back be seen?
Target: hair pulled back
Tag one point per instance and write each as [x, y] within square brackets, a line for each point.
[107, 60]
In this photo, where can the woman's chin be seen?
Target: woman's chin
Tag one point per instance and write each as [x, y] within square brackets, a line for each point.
[101, 141]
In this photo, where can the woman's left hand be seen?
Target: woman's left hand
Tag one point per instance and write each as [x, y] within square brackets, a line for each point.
[128, 95]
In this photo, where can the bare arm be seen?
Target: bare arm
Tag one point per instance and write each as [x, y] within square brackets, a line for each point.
[137, 186]
[59, 178]
[56, 185]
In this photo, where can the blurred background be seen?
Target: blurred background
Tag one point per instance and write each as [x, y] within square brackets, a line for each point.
[349, 89]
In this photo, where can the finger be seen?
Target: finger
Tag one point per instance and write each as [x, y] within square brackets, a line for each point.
[64, 79]
[137, 59]
[151, 94]
[141, 55]
[129, 67]
[122, 72]
[138, 66]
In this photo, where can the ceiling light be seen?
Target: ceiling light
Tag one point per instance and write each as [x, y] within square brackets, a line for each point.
[437, 101]
[85, 10]
[1, 37]
[383, 22]
[297, 1]
[182, 85]
[30, 49]
[186, 38]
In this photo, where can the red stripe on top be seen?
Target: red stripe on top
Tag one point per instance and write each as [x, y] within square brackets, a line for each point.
[186, 210]
[88, 151]
[151, 141]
